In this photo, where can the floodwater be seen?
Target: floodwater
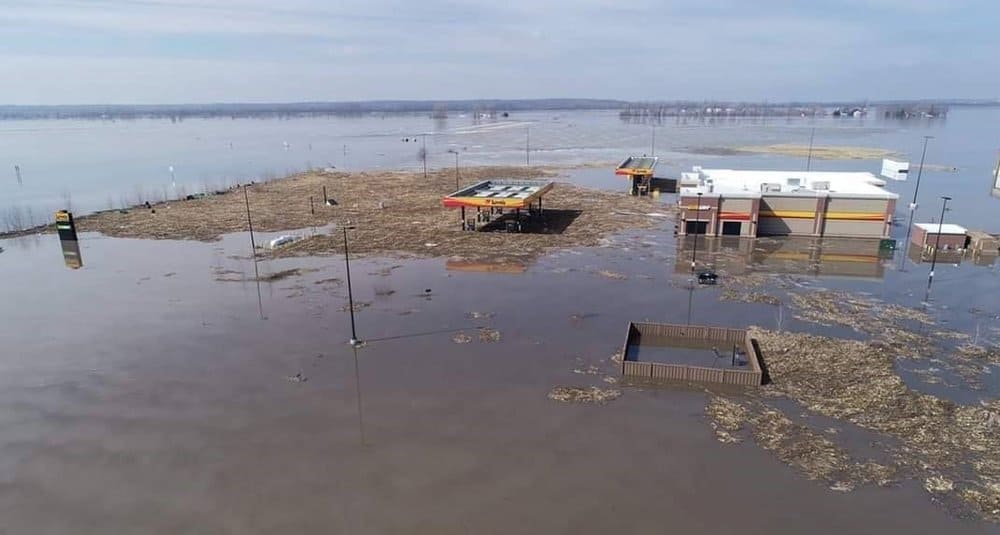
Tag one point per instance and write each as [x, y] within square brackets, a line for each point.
[685, 352]
[143, 392]
[155, 386]
[96, 165]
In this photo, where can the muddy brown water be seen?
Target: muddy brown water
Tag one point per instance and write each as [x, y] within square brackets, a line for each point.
[684, 352]
[143, 394]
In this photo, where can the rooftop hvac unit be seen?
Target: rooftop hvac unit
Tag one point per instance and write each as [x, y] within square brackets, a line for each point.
[769, 187]
[821, 185]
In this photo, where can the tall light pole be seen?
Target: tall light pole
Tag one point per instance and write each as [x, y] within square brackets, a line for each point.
[809, 157]
[350, 292]
[913, 204]
[527, 145]
[920, 172]
[423, 154]
[455, 152]
[937, 242]
[173, 181]
[916, 188]
[697, 225]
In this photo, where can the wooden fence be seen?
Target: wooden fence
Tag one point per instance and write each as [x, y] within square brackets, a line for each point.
[693, 333]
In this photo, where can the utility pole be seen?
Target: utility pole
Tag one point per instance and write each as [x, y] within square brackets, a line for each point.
[173, 180]
[17, 171]
[246, 197]
[527, 145]
[423, 155]
[810, 156]
[916, 189]
[920, 172]
[652, 140]
[937, 242]
[350, 293]
[697, 228]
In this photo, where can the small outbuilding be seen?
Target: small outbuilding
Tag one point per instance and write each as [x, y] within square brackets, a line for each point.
[981, 242]
[952, 237]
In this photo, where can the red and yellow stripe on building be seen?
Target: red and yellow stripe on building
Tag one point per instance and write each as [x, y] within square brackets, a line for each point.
[829, 216]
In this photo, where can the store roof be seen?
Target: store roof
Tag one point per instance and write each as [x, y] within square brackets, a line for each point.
[737, 183]
[947, 228]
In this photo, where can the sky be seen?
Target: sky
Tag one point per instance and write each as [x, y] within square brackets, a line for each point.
[197, 51]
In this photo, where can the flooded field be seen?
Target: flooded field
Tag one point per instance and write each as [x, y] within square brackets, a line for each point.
[180, 386]
[109, 164]
[684, 352]
[165, 394]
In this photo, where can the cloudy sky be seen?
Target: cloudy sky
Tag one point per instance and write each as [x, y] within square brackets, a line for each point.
[174, 51]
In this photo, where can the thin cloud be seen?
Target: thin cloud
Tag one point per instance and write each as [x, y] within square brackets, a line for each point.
[263, 50]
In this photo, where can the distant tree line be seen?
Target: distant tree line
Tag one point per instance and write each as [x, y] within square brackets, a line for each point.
[296, 109]
[439, 109]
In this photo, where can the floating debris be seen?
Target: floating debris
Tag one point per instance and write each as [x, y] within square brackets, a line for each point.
[794, 444]
[818, 152]
[489, 335]
[888, 322]
[479, 315]
[842, 486]
[731, 294]
[938, 484]
[727, 418]
[358, 306]
[978, 352]
[856, 382]
[282, 240]
[580, 394]
[461, 338]
[280, 275]
[612, 275]
[297, 378]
